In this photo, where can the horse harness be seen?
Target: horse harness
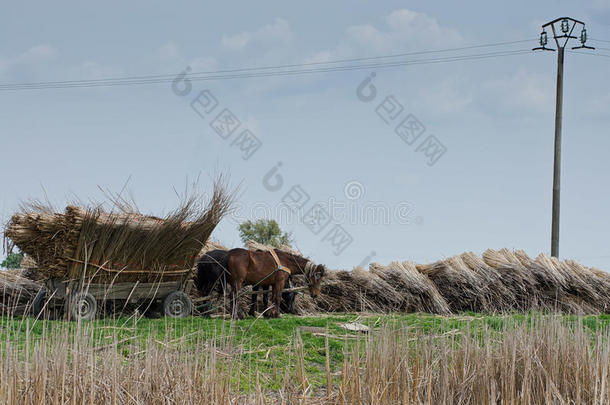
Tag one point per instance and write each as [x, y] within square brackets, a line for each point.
[308, 267]
[277, 262]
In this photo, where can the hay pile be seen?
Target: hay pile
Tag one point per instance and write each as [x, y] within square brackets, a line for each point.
[16, 292]
[398, 287]
[418, 293]
[254, 245]
[49, 238]
[116, 246]
[499, 281]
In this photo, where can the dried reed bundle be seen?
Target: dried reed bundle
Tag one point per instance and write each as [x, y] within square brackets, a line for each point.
[579, 280]
[16, 292]
[340, 294]
[44, 235]
[28, 263]
[598, 280]
[211, 245]
[254, 245]
[460, 287]
[416, 292]
[122, 246]
[517, 279]
[497, 295]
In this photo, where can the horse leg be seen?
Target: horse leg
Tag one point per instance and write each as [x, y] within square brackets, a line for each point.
[276, 295]
[254, 301]
[266, 301]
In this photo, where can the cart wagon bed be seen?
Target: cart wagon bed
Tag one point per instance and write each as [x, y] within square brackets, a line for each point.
[80, 299]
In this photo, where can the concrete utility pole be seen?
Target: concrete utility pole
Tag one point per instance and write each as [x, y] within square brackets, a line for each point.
[562, 29]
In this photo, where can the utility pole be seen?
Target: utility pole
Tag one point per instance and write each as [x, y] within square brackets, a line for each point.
[562, 29]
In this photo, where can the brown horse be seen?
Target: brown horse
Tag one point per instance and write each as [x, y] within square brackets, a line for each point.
[259, 268]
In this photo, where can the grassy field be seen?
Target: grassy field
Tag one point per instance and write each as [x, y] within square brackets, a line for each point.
[305, 356]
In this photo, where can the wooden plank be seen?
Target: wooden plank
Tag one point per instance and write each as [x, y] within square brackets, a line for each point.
[133, 291]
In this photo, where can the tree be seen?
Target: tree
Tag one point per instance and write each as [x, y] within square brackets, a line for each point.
[265, 231]
[12, 261]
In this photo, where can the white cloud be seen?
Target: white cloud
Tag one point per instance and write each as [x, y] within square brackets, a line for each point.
[34, 57]
[419, 27]
[522, 91]
[600, 4]
[91, 70]
[169, 51]
[404, 30]
[277, 33]
[202, 64]
[237, 41]
[445, 96]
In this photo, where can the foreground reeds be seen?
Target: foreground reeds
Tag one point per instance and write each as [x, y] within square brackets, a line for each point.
[542, 359]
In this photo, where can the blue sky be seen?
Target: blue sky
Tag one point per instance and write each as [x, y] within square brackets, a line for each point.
[490, 189]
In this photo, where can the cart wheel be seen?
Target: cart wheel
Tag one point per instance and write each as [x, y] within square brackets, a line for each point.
[82, 305]
[177, 305]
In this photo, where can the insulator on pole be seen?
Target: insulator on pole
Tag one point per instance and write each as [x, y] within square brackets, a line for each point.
[543, 38]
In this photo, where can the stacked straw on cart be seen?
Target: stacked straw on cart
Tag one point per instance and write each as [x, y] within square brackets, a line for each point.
[16, 292]
[111, 246]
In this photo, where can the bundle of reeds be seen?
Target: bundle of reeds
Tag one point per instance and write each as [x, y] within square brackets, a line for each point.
[518, 279]
[499, 281]
[117, 246]
[461, 287]
[550, 284]
[211, 245]
[254, 245]
[16, 292]
[416, 291]
[45, 236]
[339, 293]
[597, 279]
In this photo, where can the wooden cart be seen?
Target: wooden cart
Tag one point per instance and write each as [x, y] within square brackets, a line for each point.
[79, 299]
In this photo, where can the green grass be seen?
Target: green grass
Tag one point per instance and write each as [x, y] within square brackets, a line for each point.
[265, 345]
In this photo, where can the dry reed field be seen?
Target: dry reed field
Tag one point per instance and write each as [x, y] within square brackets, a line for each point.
[418, 359]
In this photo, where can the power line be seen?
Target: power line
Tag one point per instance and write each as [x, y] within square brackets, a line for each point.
[603, 55]
[262, 72]
[172, 75]
[265, 74]
[600, 40]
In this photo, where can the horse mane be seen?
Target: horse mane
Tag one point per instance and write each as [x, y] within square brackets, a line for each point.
[299, 261]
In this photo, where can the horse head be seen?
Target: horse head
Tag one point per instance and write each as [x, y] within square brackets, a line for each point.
[314, 274]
